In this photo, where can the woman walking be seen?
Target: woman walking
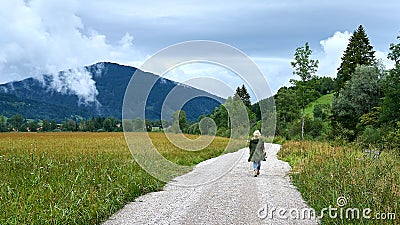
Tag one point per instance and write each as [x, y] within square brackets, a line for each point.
[257, 154]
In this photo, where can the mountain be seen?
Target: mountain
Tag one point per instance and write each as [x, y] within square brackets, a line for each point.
[98, 90]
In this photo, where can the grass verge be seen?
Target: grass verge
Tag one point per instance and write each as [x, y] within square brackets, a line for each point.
[323, 173]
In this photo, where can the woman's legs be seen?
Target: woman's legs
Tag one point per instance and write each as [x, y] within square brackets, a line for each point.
[257, 167]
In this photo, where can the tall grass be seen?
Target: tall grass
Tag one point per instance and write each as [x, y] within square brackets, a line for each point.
[76, 178]
[323, 173]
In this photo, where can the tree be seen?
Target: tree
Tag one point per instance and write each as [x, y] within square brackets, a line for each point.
[53, 125]
[194, 129]
[287, 108]
[245, 96]
[390, 113]
[45, 125]
[305, 68]
[358, 97]
[242, 94]
[90, 125]
[324, 85]
[33, 125]
[321, 111]
[16, 122]
[3, 124]
[98, 123]
[395, 53]
[207, 126]
[149, 125]
[108, 125]
[358, 52]
[221, 119]
[70, 125]
[179, 122]
[391, 89]
[138, 125]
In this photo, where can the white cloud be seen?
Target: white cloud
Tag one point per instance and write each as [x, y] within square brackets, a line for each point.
[333, 48]
[382, 55]
[47, 36]
[77, 82]
[332, 52]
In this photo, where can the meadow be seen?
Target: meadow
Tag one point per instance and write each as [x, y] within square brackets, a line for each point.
[78, 178]
[323, 173]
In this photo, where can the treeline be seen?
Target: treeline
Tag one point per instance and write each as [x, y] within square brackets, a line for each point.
[20, 124]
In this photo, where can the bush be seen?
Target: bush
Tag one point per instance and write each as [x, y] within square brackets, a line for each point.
[370, 137]
[392, 139]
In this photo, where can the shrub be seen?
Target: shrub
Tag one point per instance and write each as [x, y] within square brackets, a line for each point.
[370, 137]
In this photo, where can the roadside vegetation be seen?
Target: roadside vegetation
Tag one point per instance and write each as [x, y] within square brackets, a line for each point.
[324, 173]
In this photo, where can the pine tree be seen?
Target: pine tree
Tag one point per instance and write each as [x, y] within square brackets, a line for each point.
[358, 52]
[237, 95]
[243, 95]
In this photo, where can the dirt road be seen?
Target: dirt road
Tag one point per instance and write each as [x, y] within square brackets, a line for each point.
[235, 198]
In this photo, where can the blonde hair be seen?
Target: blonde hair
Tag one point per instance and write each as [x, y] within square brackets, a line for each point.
[256, 134]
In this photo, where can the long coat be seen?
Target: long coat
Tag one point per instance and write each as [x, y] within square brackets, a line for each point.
[256, 150]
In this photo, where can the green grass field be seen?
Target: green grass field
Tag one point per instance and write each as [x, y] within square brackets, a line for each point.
[78, 178]
[325, 99]
[323, 173]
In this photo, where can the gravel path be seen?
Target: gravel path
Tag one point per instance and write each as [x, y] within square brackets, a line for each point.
[235, 198]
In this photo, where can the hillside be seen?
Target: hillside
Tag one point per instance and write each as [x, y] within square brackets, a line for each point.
[325, 99]
[96, 90]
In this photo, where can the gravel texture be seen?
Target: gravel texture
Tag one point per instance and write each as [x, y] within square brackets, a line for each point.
[223, 191]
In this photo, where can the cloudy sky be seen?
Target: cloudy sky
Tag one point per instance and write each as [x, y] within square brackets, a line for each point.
[44, 36]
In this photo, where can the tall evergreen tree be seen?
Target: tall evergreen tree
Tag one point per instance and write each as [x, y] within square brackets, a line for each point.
[242, 94]
[358, 52]
[245, 96]
[237, 95]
